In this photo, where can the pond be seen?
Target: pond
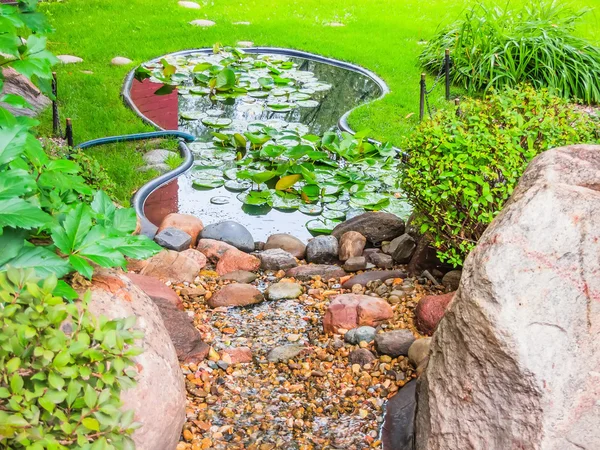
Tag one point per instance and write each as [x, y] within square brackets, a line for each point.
[268, 152]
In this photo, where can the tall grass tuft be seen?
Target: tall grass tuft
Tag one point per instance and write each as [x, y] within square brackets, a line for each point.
[502, 47]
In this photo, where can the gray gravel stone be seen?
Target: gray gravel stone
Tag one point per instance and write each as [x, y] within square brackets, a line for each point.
[231, 232]
[382, 260]
[276, 259]
[394, 343]
[355, 263]
[402, 248]
[322, 249]
[284, 290]
[173, 239]
[356, 335]
[284, 353]
[157, 156]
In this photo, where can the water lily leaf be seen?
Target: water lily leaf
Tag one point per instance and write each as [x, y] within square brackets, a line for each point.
[338, 206]
[286, 201]
[261, 177]
[256, 198]
[208, 183]
[311, 210]
[307, 103]
[370, 200]
[280, 107]
[324, 226]
[266, 82]
[192, 115]
[311, 190]
[334, 215]
[201, 67]
[217, 122]
[329, 199]
[258, 94]
[225, 79]
[287, 182]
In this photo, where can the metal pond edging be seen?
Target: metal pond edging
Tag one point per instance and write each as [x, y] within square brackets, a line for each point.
[139, 198]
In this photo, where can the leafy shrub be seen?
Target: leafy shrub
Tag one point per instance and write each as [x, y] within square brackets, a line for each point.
[60, 389]
[50, 218]
[499, 47]
[461, 168]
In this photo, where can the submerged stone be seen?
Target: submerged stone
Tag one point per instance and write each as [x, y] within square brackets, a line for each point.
[230, 232]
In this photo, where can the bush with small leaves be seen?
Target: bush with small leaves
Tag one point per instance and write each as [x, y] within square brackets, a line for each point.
[463, 165]
[61, 369]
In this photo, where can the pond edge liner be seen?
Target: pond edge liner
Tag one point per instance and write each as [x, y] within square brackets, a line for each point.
[139, 198]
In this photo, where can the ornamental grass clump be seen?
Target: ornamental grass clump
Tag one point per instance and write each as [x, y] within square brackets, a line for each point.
[493, 47]
[462, 166]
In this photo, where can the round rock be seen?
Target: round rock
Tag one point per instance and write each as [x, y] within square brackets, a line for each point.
[230, 232]
[236, 294]
[322, 250]
[284, 353]
[361, 356]
[288, 243]
[189, 5]
[451, 280]
[357, 335]
[419, 350]
[276, 259]
[284, 290]
[394, 343]
[245, 44]
[69, 59]
[157, 156]
[202, 23]
[120, 61]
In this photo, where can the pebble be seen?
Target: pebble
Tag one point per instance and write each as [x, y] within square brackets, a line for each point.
[120, 61]
[202, 23]
[284, 290]
[245, 44]
[189, 5]
[69, 59]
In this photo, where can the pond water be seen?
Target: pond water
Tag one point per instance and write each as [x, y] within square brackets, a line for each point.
[261, 126]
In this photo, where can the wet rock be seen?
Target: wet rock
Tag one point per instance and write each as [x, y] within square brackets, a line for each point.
[451, 280]
[348, 311]
[120, 61]
[18, 84]
[430, 311]
[375, 275]
[423, 258]
[69, 59]
[230, 232]
[213, 249]
[239, 276]
[189, 5]
[202, 23]
[276, 259]
[288, 243]
[160, 293]
[419, 351]
[375, 226]
[284, 290]
[185, 222]
[158, 399]
[382, 261]
[239, 355]
[236, 294]
[398, 430]
[368, 252]
[235, 260]
[326, 272]
[394, 343]
[195, 255]
[322, 250]
[356, 335]
[157, 156]
[361, 356]
[177, 267]
[355, 263]
[173, 239]
[285, 352]
[352, 244]
[402, 248]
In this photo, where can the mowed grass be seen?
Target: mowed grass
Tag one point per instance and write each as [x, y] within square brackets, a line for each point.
[385, 37]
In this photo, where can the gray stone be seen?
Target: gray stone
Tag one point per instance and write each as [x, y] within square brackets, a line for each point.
[157, 156]
[188, 5]
[375, 226]
[419, 351]
[276, 259]
[288, 243]
[355, 263]
[361, 356]
[120, 61]
[202, 23]
[398, 431]
[515, 362]
[18, 84]
[230, 232]
[402, 248]
[69, 59]
[245, 44]
[326, 272]
[285, 352]
[173, 239]
[451, 280]
[394, 343]
[322, 250]
[284, 290]
[382, 261]
[160, 168]
[357, 335]
[239, 276]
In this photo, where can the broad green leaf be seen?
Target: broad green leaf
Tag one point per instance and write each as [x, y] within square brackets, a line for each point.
[91, 424]
[81, 266]
[42, 260]
[69, 235]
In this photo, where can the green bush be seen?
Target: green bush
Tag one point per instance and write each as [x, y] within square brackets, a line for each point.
[60, 389]
[462, 167]
[499, 47]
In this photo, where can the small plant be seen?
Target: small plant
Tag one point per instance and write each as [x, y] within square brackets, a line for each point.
[536, 45]
[61, 369]
[173, 161]
[462, 167]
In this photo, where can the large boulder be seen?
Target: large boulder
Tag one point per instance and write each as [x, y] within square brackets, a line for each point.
[375, 226]
[159, 398]
[515, 362]
[177, 267]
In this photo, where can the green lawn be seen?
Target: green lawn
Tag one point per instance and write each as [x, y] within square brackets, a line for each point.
[382, 36]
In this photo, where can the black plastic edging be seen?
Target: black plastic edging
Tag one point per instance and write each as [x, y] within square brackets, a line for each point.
[140, 197]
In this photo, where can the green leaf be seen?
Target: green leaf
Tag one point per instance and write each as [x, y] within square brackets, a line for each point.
[18, 213]
[225, 79]
[90, 396]
[69, 235]
[16, 183]
[287, 182]
[16, 383]
[91, 424]
[81, 266]
[42, 260]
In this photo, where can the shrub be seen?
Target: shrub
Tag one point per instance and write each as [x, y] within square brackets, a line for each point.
[536, 45]
[461, 168]
[60, 389]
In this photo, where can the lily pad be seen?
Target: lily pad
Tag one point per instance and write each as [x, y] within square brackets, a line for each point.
[334, 215]
[338, 206]
[207, 183]
[311, 210]
[307, 103]
[217, 122]
[237, 186]
[192, 115]
[256, 198]
[324, 226]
